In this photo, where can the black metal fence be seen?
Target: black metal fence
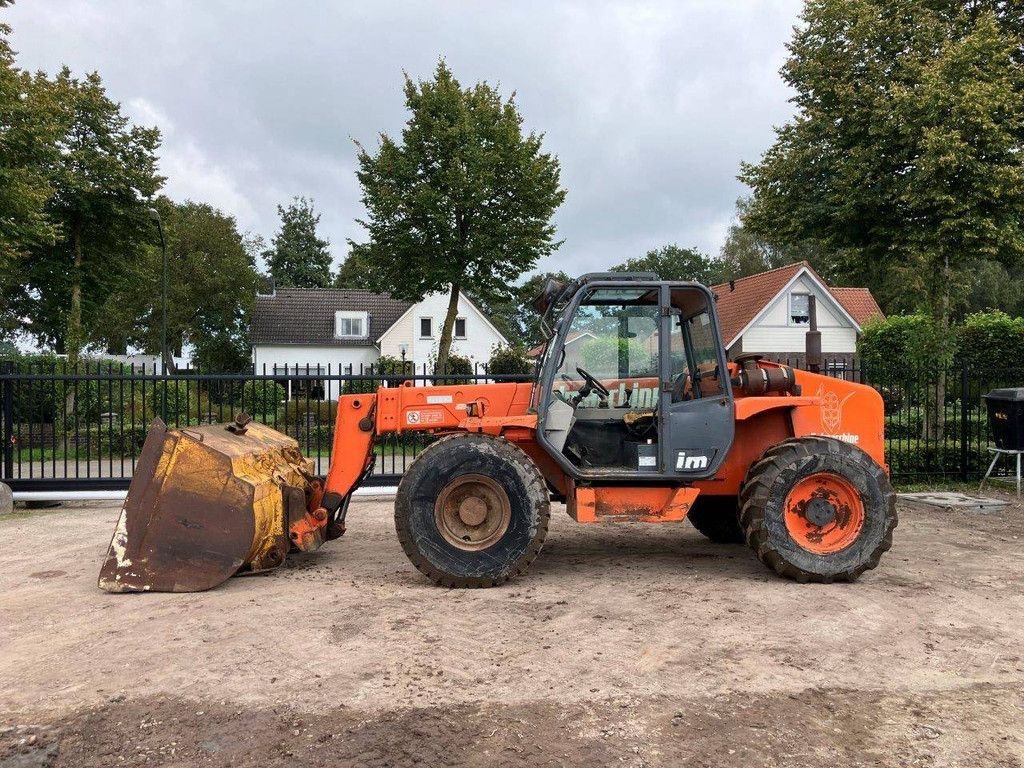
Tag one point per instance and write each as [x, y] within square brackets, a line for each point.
[82, 429]
[936, 421]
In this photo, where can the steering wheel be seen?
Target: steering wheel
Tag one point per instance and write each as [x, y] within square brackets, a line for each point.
[562, 396]
[592, 384]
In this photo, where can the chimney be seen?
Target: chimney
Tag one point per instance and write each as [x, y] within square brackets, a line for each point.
[812, 340]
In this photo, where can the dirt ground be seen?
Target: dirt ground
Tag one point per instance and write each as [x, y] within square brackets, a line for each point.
[624, 645]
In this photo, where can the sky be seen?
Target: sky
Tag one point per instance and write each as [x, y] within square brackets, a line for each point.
[649, 106]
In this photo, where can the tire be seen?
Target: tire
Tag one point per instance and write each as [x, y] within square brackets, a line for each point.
[817, 509]
[717, 518]
[483, 479]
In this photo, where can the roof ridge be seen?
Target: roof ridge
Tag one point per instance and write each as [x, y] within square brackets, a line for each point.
[798, 264]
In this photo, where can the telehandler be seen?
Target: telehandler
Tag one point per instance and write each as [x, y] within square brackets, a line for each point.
[635, 415]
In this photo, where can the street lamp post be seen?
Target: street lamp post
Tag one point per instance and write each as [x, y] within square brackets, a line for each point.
[155, 214]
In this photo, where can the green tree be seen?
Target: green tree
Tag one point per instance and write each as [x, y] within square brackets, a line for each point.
[905, 156]
[352, 273]
[101, 179]
[30, 122]
[29, 126]
[298, 257]
[745, 252]
[212, 282]
[462, 202]
[514, 314]
[671, 262]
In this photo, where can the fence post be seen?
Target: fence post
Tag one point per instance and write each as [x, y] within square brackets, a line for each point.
[964, 423]
[7, 368]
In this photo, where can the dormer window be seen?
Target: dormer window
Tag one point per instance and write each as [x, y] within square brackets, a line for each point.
[799, 309]
[351, 325]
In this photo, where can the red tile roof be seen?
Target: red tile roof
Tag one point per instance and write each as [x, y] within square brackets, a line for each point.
[749, 295]
[738, 305]
[859, 303]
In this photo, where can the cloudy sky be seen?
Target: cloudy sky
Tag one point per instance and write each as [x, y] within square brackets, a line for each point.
[650, 106]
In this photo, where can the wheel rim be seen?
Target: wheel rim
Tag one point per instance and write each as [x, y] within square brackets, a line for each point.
[472, 512]
[824, 513]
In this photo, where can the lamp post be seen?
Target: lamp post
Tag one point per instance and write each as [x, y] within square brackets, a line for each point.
[155, 215]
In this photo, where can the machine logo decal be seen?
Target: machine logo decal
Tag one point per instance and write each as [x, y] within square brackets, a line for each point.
[832, 409]
[691, 461]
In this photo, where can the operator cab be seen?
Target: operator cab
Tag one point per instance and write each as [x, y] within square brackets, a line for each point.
[633, 382]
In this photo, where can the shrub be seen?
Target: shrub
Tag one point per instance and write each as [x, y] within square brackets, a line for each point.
[261, 398]
[309, 413]
[509, 361]
[387, 370]
[903, 345]
[459, 365]
[990, 340]
[920, 460]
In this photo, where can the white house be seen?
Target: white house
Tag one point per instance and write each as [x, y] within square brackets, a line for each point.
[767, 314]
[346, 330]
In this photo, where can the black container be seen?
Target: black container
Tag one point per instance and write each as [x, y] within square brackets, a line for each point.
[642, 456]
[1006, 417]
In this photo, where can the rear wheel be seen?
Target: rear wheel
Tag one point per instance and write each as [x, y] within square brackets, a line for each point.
[472, 511]
[717, 518]
[818, 509]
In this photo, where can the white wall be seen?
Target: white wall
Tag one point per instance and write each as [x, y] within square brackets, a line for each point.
[297, 354]
[773, 333]
[480, 339]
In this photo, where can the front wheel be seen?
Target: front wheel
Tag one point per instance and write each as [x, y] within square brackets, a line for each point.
[472, 511]
[818, 509]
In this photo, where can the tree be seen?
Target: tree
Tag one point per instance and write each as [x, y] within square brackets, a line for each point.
[353, 272]
[102, 177]
[29, 126]
[298, 257]
[514, 314]
[746, 253]
[462, 202]
[905, 157]
[212, 282]
[671, 262]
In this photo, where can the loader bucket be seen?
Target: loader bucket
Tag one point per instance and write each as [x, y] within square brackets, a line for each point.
[207, 502]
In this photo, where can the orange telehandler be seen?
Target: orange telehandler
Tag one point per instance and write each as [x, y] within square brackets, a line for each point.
[635, 415]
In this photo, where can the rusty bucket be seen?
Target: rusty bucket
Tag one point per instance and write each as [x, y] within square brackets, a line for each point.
[208, 502]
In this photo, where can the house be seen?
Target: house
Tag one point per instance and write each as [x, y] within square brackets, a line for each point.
[574, 344]
[767, 314]
[346, 330]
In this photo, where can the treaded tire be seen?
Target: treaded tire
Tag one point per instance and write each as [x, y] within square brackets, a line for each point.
[717, 517]
[763, 502]
[443, 462]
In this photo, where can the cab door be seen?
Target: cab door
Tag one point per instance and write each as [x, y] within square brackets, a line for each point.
[698, 416]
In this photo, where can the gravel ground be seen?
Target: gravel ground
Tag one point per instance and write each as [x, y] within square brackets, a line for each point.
[637, 645]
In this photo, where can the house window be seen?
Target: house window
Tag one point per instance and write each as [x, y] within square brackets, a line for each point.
[426, 328]
[301, 381]
[799, 309]
[351, 325]
[460, 327]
